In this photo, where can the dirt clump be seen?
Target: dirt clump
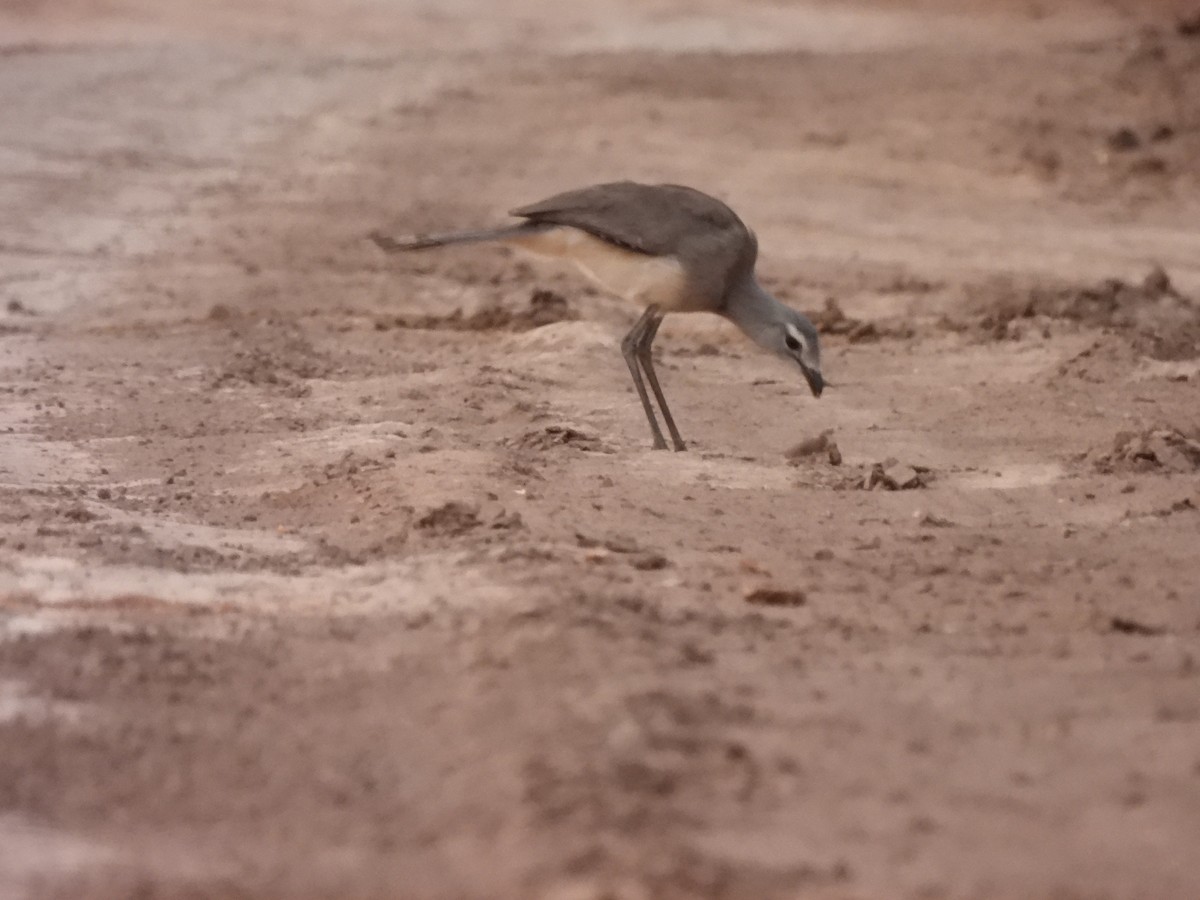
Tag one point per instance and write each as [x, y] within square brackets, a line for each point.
[456, 518]
[450, 519]
[559, 436]
[820, 470]
[277, 357]
[1127, 625]
[823, 445]
[1162, 322]
[893, 475]
[641, 558]
[544, 308]
[1099, 360]
[765, 595]
[833, 320]
[350, 464]
[1159, 449]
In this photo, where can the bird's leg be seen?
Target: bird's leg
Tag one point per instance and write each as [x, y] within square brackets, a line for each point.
[643, 349]
[629, 349]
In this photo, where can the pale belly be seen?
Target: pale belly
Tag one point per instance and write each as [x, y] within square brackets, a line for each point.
[637, 277]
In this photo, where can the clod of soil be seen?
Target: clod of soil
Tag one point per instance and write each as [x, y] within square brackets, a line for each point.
[450, 519]
[1154, 450]
[1124, 139]
[637, 556]
[293, 359]
[351, 463]
[545, 307]
[613, 544]
[776, 596]
[559, 436]
[832, 320]
[649, 561]
[1163, 323]
[79, 514]
[933, 520]
[1162, 133]
[816, 447]
[891, 475]
[1126, 625]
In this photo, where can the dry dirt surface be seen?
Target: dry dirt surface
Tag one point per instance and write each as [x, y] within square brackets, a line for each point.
[331, 574]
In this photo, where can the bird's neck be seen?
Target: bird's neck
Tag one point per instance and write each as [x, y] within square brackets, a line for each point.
[753, 310]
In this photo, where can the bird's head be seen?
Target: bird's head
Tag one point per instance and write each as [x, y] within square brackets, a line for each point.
[795, 338]
[776, 327]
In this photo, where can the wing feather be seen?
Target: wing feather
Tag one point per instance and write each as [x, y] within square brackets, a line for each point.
[714, 245]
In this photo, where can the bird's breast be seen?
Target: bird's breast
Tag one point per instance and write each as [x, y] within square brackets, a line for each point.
[637, 277]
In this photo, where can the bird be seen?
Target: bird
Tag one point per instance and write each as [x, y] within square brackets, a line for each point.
[669, 248]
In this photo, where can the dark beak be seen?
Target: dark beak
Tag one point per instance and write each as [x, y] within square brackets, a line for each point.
[815, 382]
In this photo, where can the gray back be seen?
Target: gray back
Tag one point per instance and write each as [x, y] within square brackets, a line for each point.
[715, 247]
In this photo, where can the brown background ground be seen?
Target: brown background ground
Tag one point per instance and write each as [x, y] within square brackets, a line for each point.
[325, 575]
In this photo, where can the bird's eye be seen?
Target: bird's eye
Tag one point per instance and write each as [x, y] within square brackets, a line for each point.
[792, 343]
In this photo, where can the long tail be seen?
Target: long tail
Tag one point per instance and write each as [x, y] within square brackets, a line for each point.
[424, 241]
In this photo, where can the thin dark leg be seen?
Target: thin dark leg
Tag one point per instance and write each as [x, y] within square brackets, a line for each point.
[643, 350]
[629, 349]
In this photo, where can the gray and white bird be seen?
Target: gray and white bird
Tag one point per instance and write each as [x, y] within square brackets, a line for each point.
[667, 247]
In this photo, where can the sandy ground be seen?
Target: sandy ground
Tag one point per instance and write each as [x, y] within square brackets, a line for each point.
[325, 574]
